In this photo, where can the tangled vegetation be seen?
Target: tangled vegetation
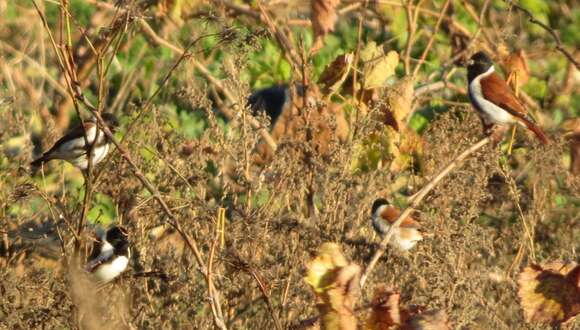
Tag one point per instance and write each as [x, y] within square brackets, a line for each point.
[254, 137]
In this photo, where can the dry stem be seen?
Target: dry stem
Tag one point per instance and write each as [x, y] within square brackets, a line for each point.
[418, 198]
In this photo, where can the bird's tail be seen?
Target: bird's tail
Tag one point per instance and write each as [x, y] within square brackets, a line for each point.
[538, 131]
[39, 161]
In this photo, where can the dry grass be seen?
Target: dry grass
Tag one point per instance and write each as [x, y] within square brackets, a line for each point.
[490, 217]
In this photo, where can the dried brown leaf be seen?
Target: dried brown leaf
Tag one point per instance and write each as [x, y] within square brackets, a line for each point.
[399, 100]
[388, 314]
[385, 313]
[323, 16]
[516, 67]
[336, 73]
[550, 293]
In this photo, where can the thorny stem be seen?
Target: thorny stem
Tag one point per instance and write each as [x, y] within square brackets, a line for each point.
[419, 197]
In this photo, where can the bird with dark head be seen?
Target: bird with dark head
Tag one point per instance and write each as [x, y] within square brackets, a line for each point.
[493, 99]
[110, 255]
[383, 215]
[72, 146]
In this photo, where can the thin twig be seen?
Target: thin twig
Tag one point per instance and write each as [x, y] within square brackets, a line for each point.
[553, 33]
[419, 197]
[411, 28]
[430, 43]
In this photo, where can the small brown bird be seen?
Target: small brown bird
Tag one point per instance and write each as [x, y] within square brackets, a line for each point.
[493, 98]
[72, 147]
[384, 215]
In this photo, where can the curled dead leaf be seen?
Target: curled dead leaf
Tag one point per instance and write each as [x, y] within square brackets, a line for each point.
[323, 16]
[335, 282]
[385, 311]
[335, 74]
[398, 102]
[377, 67]
[387, 314]
[550, 293]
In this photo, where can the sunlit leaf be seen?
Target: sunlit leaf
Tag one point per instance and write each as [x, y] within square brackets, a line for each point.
[336, 285]
[550, 293]
[377, 67]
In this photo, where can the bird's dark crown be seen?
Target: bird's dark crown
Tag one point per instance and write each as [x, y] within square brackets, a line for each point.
[117, 236]
[378, 203]
[478, 64]
[110, 120]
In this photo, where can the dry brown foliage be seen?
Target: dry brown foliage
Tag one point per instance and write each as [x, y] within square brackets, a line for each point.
[487, 219]
[550, 293]
[323, 17]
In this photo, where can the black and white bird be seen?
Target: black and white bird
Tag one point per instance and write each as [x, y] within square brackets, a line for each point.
[494, 100]
[73, 149]
[384, 215]
[110, 255]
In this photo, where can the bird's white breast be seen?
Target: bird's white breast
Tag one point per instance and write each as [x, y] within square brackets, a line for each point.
[107, 272]
[492, 112]
[403, 238]
[99, 153]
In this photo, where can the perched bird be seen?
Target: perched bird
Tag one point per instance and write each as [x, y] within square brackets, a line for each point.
[110, 255]
[494, 100]
[73, 149]
[384, 215]
[272, 100]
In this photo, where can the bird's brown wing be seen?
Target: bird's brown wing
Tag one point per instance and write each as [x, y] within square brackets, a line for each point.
[496, 90]
[391, 214]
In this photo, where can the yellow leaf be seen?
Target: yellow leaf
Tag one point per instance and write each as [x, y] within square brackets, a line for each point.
[377, 67]
[400, 99]
[336, 285]
[329, 259]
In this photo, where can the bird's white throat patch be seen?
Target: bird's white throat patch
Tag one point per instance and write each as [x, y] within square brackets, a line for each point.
[491, 112]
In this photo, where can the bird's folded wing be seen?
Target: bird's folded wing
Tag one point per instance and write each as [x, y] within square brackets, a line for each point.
[96, 262]
[391, 214]
[496, 91]
[75, 139]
